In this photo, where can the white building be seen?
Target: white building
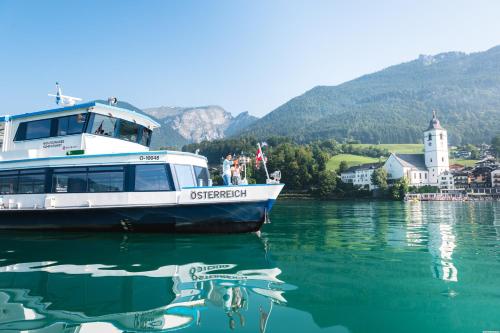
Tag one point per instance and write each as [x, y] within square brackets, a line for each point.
[495, 178]
[360, 175]
[431, 168]
[446, 181]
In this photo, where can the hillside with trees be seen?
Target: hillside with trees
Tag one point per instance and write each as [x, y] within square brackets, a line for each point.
[395, 105]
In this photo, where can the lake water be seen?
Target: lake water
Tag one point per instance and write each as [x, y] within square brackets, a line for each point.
[318, 267]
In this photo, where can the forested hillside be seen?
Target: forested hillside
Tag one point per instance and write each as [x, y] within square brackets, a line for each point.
[395, 105]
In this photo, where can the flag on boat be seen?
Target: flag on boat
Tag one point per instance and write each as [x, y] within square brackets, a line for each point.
[258, 157]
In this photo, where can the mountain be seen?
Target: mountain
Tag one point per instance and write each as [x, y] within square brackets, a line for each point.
[181, 126]
[395, 105]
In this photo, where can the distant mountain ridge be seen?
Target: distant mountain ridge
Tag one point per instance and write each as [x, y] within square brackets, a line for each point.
[181, 126]
[395, 105]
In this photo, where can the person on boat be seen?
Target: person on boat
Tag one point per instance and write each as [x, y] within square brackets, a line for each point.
[226, 169]
[236, 172]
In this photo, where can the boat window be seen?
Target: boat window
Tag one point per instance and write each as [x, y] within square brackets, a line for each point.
[104, 125]
[8, 182]
[69, 182]
[37, 129]
[105, 179]
[46, 128]
[30, 182]
[145, 137]
[185, 175]
[128, 131]
[152, 177]
[59, 170]
[2, 132]
[106, 168]
[120, 129]
[201, 175]
[72, 124]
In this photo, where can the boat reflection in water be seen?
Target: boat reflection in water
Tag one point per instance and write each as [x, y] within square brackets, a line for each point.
[112, 293]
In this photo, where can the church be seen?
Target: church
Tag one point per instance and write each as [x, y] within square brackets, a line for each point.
[430, 168]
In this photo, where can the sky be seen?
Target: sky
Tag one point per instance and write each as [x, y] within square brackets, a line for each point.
[242, 55]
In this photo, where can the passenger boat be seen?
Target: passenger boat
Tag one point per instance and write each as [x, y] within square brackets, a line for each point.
[88, 166]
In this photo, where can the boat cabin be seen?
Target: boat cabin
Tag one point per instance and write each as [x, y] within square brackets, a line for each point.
[90, 128]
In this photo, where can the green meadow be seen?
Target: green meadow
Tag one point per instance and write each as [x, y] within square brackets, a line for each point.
[404, 148]
[467, 163]
[352, 160]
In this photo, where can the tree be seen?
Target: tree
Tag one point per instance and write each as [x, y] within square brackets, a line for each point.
[400, 188]
[475, 153]
[495, 143]
[327, 180]
[322, 159]
[343, 166]
[379, 178]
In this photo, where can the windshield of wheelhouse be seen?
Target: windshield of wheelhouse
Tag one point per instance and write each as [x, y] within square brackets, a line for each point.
[2, 132]
[119, 129]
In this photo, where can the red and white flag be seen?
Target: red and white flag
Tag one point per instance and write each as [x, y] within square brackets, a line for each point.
[258, 157]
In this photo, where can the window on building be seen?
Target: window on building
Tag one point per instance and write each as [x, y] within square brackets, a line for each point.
[429, 138]
[430, 144]
[442, 159]
[69, 180]
[420, 175]
[201, 175]
[71, 124]
[152, 177]
[31, 181]
[8, 182]
[185, 175]
[425, 175]
[441, 136]
[106, 179]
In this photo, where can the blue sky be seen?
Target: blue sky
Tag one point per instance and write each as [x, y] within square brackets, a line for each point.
[243, 55]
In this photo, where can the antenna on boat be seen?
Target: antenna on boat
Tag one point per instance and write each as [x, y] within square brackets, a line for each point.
[62, 99]
[112, 100]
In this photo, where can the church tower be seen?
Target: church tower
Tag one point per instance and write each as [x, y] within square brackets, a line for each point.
[436, 150]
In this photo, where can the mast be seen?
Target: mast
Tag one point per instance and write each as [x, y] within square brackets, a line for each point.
[263, 161]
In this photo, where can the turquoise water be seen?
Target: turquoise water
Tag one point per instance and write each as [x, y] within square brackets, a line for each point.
[318, 267]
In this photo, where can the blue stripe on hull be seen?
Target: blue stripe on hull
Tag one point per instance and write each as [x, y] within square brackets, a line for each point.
[211, 218]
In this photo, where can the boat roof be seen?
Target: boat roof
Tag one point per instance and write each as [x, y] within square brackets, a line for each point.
[80, 106]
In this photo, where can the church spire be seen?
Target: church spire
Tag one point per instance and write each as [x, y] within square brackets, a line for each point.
[434, 124]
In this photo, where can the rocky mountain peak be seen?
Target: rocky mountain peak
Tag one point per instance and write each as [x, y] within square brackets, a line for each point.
[196, 124]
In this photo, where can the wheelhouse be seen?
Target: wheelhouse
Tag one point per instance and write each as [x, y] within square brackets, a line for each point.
[90, 128]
